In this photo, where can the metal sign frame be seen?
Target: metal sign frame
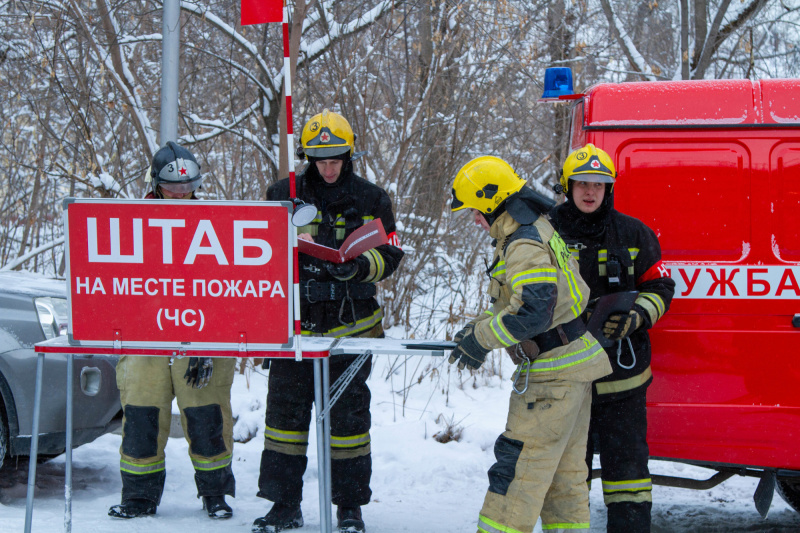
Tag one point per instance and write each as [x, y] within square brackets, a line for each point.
[238, 342]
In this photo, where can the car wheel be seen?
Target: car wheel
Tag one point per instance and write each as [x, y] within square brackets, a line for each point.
[3, 435]
[789, 489]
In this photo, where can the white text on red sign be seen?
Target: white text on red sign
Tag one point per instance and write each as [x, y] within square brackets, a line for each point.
[204, 229]
[735, 282]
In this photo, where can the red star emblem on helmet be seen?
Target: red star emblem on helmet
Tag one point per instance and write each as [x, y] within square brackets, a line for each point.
[182, 171]
[325, 137]
[595, 164]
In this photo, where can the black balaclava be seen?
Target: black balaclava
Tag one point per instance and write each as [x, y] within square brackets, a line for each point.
[576, 223]
[313, 173]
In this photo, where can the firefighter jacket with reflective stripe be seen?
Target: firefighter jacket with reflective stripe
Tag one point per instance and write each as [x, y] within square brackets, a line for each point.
[535, 286]
[342, 207]
[620, 253]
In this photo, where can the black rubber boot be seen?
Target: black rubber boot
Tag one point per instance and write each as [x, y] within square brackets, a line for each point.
[216, 507]
[132, 509]
[281, 516]
[350, 520]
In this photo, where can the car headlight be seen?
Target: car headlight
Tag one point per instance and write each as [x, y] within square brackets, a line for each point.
[53, 316]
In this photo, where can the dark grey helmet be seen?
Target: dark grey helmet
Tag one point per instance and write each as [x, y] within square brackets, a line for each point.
[175, 169]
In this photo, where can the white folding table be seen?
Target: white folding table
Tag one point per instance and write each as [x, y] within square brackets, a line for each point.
[318, 349]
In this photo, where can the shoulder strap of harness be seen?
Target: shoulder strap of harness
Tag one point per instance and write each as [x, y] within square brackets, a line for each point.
[528, 231]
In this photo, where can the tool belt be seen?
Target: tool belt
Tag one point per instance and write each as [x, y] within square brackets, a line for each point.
[329, 291]
[551, 339]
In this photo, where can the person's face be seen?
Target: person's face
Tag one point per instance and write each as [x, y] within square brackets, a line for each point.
[588, 195]
[479, 220]
[330, 169]
[174, 195]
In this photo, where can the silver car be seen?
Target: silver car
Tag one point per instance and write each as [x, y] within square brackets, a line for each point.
[34, 308]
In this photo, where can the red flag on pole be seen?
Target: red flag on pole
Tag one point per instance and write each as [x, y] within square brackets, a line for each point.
[261, 11]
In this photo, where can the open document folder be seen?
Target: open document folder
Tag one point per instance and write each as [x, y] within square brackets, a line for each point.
[368, 236]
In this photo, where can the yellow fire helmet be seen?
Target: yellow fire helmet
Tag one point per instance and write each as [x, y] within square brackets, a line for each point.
[588, 164]
[327, 134]
[483, 184]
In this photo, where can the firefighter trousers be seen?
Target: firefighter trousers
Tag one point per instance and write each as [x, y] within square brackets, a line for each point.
[618, 432]
[289, 399]
[147, 386]
[541, 467]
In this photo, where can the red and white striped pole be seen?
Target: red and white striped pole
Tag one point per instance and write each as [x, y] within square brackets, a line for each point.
[287, 89]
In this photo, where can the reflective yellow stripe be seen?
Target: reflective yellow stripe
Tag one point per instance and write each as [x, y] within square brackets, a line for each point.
[536, 275]
[500, 268]
[349, 442]
[501, 333]
[575, 292]
[657, 301]
[634, 253]
[627, 485]
[602, 256]
[486, 525]
[211, 465]
[130, 468]
[294, 437]
[564, 528]
[376, 259]
[589, 350]
[360, 325]
[622, 385]
[367, 219]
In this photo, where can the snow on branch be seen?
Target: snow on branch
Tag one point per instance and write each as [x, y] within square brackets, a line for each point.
[33, 253]
[338, 31]
[235, 36]
[636, 60]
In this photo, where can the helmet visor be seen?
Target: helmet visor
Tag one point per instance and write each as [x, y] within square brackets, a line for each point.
[182, 187]
[591, 177]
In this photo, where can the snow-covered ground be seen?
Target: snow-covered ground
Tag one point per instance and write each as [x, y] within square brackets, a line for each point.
[419, 484]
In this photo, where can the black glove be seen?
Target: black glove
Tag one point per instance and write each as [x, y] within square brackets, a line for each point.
[466, 330]
[468, 352]
[265, 363]
[199, 371]
[619, 325]
[342, 271]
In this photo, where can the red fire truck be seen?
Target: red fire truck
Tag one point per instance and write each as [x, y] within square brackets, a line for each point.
[713, 167]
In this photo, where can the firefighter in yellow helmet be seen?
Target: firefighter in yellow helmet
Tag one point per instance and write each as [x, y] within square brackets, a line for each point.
[336, 300]
[537, 299]
[616, 253]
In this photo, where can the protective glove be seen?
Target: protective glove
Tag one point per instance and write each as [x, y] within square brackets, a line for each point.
[199, 371]
[464, 331]
[342, 271]
[620, 325]
[265, 363]
[468, 352]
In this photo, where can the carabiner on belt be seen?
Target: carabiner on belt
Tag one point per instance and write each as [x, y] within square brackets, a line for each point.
[352, 307]
[619, 354]
[525, 363]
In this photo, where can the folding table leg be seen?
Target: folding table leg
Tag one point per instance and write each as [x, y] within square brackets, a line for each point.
[323, 449]
[37, 408]
[68, 450]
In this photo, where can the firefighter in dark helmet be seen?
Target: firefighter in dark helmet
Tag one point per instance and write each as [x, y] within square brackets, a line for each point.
[537, 299]
[616, 253]
[336, 300]
[202, 387]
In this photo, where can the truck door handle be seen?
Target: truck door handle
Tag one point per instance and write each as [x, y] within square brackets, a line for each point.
[796, 321]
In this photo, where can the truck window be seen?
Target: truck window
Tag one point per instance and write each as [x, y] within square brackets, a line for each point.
[577, 135]
[785, 195]
[699, 191]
